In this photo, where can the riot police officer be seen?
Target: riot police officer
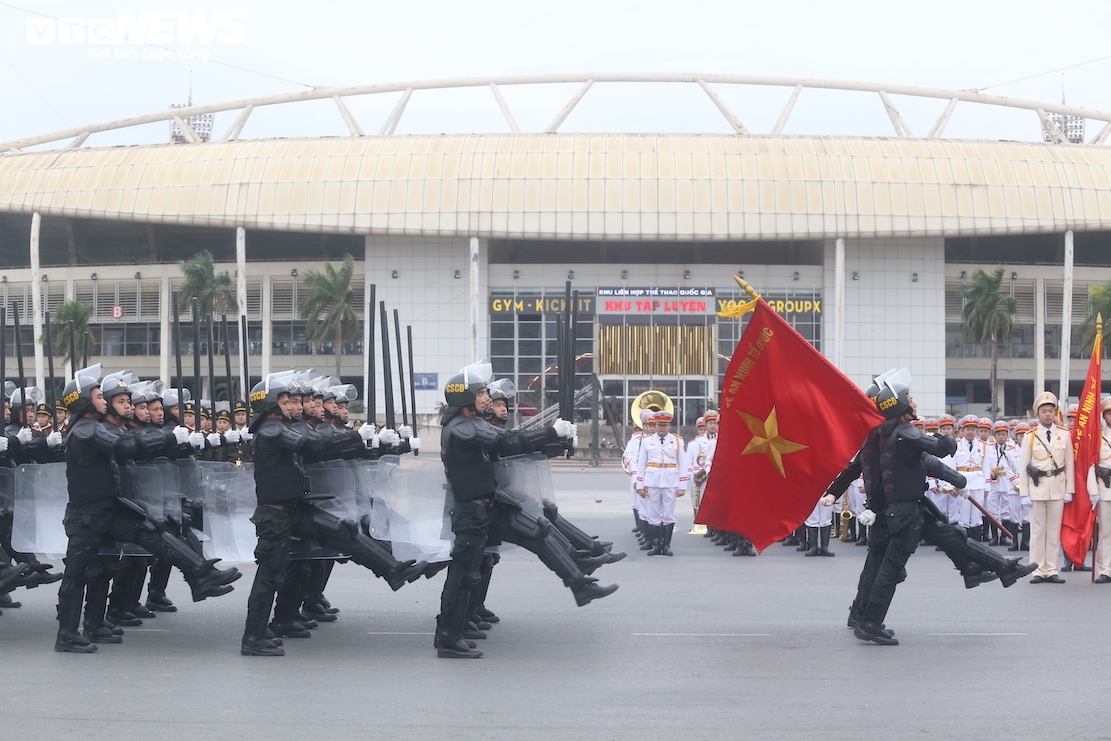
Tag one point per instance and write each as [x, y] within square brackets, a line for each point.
[285, 511]
[97, 512]
[480, 511]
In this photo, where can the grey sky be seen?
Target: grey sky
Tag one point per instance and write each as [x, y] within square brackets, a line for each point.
[969, 44]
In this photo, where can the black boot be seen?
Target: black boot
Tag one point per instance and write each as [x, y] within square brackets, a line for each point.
[257, 638]
[812, 540]
[657, 540]
[1025, 537]
[852, 531]
[636, 521]
[823, 547]
[993, 533]
[69, 640]
[803, 534]
[791, 539]
[733, 542]
[1010, 527]
[862, 536]
[588, 590]
[648, 531]
[665, 542]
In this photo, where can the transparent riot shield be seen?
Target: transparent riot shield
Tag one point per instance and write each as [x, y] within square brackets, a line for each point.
[521, 479]
[40, 495]
[415, 496]
[336, 481]
[171, 489]
[146, 489]
[229, 501]
[544, 475]
[371, 482]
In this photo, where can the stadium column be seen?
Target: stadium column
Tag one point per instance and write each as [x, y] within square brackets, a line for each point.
[267, 326]
[368, 341]
[241, 297]
[1066, 325]
[35, 318]
[1039, 332]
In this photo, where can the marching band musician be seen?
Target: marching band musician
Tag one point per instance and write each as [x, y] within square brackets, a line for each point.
[661, 472]
[1099, 486]
[1000, 471]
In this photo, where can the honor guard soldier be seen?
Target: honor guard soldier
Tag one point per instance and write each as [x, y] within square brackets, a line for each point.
[1045, 475]
[969, 460]
[1099, 486]
[661, 471]
[1018, 503]
[629, 458]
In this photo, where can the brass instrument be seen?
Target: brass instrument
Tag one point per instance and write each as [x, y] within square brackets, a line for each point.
[650, 399]
[846, 518]
[701, 474]
[996, 472]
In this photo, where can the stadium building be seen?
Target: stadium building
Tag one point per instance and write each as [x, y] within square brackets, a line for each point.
[863, 243]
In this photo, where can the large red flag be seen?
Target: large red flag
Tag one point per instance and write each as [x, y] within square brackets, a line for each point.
[1078, 517]
[790, 421]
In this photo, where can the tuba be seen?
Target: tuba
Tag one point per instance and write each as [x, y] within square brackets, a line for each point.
[650, 399]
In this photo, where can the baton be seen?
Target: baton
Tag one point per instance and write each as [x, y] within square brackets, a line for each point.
[50, 398]
[245, 352]
[227, 358]
[195, 309]
[177, 356]
[387, 372]
[400, 370]
[412, 381]
[212, 369]
[991, 519]
[371, 396]
[19, 361]
[85, 352]
[72, 349]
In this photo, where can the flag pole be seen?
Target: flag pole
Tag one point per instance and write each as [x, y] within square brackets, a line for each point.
[747, 288]
[1096, 522]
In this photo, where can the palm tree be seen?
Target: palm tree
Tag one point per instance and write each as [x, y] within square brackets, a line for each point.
[1099, 302]
[215, 294]
[989, 317]
[78, 313]
[326, 308]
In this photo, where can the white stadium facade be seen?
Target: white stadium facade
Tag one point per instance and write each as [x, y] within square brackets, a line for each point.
[862, 243]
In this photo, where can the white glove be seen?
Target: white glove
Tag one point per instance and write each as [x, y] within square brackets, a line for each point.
[563, 428]
[1094, 498]
[827, 500]
[414, 443]
[54, 439]
[389, 437]
[244, 435]
[214, 440]
[405, 431]
[1068, 497]
[963, 493]
[196, 439]
[867, 518]
[181, 434]
[366, 432]
[232, 437]
[3, 443]
[24, 435]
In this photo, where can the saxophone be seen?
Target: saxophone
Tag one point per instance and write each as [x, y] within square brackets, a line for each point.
[701, 474]
[846, 518]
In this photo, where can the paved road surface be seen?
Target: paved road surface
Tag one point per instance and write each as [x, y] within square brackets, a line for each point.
[697, 646]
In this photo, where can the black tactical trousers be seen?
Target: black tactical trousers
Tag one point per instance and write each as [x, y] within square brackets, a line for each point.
[890, 546]
[276, 525]
[470, 521]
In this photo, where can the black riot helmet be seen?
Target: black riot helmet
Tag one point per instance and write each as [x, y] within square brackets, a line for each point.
[265, 394]
[77, 394]
[462, 388]
[893, 398]
[22, 397]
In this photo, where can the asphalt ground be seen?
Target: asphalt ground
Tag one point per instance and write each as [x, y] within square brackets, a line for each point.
[702, 645]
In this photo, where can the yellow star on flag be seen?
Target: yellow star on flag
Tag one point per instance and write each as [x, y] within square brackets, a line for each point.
[766, 439]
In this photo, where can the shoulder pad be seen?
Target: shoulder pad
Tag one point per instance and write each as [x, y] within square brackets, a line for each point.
[271, 428]
[462, 428]
[84, 429]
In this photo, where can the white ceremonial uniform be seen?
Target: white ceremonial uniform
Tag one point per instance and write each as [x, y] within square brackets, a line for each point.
[969, 460]
[700, 457]
[821, 515]
[1047, 499]
[941, 493]
[630, 458]
[998, 491]
[1097, 487]
[662, 469]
